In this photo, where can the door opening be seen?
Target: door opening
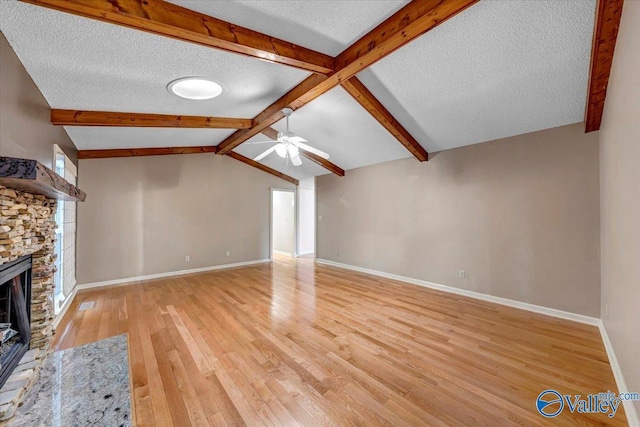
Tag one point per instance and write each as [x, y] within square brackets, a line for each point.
[283, 223]
[306, 217]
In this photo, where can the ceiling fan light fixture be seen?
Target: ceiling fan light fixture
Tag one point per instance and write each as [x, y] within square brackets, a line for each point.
[289, 145]
[281, 150]
[293, 150]
[195, 88]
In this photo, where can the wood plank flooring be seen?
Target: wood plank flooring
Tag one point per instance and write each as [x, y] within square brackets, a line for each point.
[294, 343]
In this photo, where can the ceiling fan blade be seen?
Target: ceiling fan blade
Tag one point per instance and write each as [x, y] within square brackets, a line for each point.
[292, 150]
[265, 153]
[261, 142]
[296, 160]
[312, 150]
[297, 139]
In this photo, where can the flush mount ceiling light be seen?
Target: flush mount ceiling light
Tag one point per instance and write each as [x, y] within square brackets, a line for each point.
[197, 88]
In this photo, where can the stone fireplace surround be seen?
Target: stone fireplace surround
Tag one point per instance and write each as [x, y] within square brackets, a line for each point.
[27, 227]
[29, 193]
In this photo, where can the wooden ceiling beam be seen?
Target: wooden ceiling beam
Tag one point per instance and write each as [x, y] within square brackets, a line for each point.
[139, 152]
[170, 20]
[370, 103]
[271, 133]
[322, 162]
[410, 22]
[262, 167]
[272, 114]
[607, 22]
[108, 118]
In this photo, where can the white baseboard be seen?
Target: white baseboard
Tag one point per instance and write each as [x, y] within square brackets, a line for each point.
[169, 274]
[629, 408]
[471, 294]
[632, 416]
[65, 307]
[306, 253]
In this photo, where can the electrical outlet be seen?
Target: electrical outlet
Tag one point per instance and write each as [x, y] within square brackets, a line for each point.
[320, 218]
[228, 253]
[461, 274]
[337, 252]
[187, 258]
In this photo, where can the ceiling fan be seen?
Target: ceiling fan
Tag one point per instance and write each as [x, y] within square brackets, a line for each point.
[289, 145]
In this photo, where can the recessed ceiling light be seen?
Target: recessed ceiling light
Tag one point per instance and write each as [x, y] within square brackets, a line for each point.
[197, 88]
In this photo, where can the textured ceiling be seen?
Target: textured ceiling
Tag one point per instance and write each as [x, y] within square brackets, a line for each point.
[96, 138]
[84, 64]
[501, 68]
[325, 26]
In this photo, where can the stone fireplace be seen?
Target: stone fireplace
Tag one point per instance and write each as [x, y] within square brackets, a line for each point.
[28, 228]
[28, 198]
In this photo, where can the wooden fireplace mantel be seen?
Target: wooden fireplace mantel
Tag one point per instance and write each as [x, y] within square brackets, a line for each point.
[33, 177]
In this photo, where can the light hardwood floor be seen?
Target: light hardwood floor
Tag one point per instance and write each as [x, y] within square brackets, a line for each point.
[293, 343]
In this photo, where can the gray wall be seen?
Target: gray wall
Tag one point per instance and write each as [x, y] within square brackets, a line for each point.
[620, 199]
[521, 216]
[143, 215]
[25, 128]
[284, 222]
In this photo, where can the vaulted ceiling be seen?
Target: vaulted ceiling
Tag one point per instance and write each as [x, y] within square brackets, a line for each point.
[496, 70]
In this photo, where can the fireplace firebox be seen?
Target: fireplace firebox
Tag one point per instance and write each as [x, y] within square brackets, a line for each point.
[15, 314]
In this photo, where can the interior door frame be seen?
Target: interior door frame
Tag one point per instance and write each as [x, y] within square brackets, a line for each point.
[295, 219]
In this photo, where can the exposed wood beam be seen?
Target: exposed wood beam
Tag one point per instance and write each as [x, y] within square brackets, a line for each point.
[108, 118]
[370, 103]
[322, 162]
[607, 22]
[170, 20]
[138, 152]
[272, 114]
[262, 167]
[410, 22]
[270, 133]
[273, 134]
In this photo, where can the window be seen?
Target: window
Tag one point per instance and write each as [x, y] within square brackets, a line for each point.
[65, 276]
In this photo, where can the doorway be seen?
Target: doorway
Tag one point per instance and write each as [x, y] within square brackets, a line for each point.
[306, 217]
[283, 222]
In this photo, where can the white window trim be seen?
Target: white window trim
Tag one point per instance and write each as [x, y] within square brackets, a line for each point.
[68, 168]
